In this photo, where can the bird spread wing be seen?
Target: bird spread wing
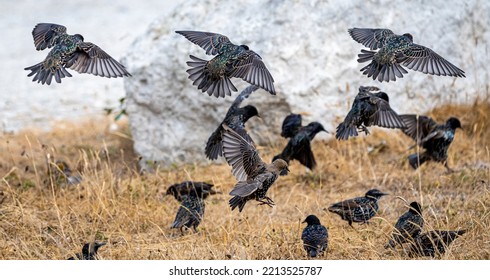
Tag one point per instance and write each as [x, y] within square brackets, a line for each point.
[418, 127]
[45, 34]
[290, 125]
[300, 150]
[370, 37]
[93, 60]
[425, 60]
[250, 67]
[384, 115]
[240, 154]
[245, 188]
[242, 96]
[211, 42]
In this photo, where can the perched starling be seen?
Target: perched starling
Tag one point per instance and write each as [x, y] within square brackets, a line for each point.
[396, 51]
[254, 176]
[235, 118]
[359, 209]
[231, 60]
[70, 51]
[299, 147]
[314, 236]
[89, 251]
[408, 226]
[191, 210]
[434, 242]
[291, 125]
[180, 190]
[434, 138]
[370, 107]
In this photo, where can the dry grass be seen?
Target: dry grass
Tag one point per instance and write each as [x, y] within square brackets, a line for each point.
[41, 219]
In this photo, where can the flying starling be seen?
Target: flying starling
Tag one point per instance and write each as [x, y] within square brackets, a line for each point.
[180, 190]
[299, 147]
[235, 118]
[434, 242]
[408, 226]
[434, 138]
[70, 51]
[396, 51]
[254, 176]
[191, 210]
[89, 251]
[359, 209]
[291, 125]
[231, 60]
[314, 236]
[370, 107]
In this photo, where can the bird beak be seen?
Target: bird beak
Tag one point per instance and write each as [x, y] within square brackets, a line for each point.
[303, 221]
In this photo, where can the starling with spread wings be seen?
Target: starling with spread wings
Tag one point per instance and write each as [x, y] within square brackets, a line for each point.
[235, 118]
[394, 52]
[370, 107]
[70, 51]
[359, 209]
[231, 60]
[408, 226]
[433, 137]
[254, 176]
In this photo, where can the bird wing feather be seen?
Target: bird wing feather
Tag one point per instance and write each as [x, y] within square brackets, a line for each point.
[210, 42]
[90, 58]
[423, 59]
[45, 34]
[370, 37]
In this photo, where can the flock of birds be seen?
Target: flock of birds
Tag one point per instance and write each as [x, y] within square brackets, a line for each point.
[388, 54]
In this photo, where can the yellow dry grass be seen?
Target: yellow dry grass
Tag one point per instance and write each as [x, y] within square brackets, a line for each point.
[43, 219]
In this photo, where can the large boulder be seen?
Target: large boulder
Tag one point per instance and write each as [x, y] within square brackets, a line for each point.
[312, 58]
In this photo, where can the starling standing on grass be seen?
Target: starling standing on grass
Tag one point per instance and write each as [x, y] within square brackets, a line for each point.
[89, 251]
[231, 60]
[235, 118]
[314, 236]
[434, 138]
[70, 51]
[408, 226]
[299, 147]
[396, 51]
[434, 242]
[191, 210]
[370, 107]
[359, 209]
[186, 188]
[254, 176]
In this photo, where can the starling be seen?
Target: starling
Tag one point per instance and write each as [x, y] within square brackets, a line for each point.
[408, 226]
[180, 190]
[89, 251]
[231, 60]
[314, 236]
[396, 51]
[434, 242]
[434, 138]
[370, 107]
[191, 210]
[359, 209]
[70, 51]
[254, 176]
[298, 147]
[235, 118]
[291, 125]
[61, 173]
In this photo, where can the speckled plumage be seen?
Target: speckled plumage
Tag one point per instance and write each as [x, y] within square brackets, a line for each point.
[370, 107]
[299, 147]
[434, 242]
[89, 251]
[314, 236]
[235, 118]
[433, 137]
[395, 51]
[408, 226]
[359, 209]
[254, 176]
[231, 60]
[70, 51]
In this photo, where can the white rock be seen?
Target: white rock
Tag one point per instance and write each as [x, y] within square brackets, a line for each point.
[312, 58]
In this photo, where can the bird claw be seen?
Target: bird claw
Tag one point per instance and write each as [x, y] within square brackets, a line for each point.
[267, 201]
[364, 129]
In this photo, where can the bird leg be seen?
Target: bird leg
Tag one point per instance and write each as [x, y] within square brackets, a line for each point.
[363, 128]
[266, 200]
[449, 170]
